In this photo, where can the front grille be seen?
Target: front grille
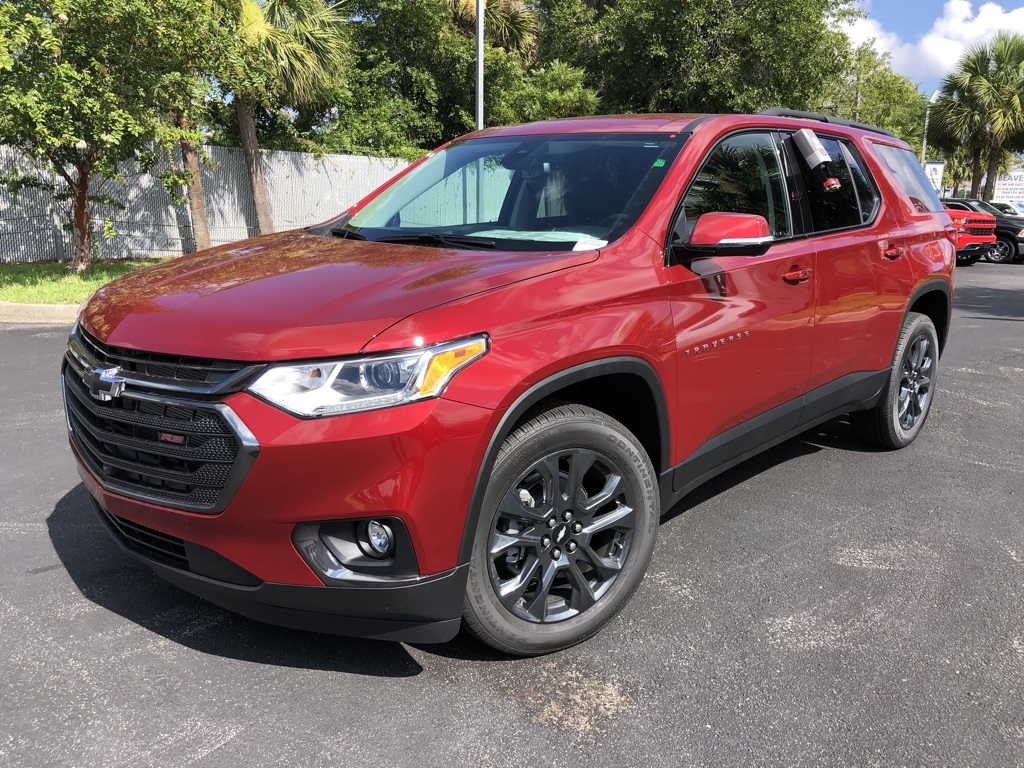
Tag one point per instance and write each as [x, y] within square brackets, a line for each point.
[168, 369]
[176, 453]
[146, 541]
[980, 231]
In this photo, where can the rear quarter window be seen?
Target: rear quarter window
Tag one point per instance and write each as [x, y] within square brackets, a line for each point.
[911, 178]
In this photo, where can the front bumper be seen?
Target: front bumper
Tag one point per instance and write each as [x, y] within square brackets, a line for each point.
[412, 463]
[975, 247]
[425, 610]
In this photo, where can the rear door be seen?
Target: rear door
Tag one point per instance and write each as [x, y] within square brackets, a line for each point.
[863, 275]
[743, 323]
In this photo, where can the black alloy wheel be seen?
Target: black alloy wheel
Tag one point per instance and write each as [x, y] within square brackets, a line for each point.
[568, 528]
[915, 388]
[906, 400]
[561, 536]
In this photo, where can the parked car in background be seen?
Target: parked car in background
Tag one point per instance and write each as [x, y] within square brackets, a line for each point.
[1009, 207]
[975, 234]
[467, 400]
[1009, 245]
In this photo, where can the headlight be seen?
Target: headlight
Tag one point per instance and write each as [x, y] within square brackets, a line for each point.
[326, 388]
[1021, 233]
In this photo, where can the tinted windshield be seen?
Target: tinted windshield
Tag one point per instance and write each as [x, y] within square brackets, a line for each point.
[556, 192]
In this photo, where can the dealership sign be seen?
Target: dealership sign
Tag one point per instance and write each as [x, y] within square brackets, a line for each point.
[933, 169]
[1010, 186]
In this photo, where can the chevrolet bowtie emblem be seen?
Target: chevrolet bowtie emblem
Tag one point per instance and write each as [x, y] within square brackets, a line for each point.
[104, 383]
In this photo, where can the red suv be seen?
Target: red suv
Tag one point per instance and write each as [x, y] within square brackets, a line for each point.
[469, 398]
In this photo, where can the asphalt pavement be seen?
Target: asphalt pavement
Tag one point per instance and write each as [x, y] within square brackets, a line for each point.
[822, 604]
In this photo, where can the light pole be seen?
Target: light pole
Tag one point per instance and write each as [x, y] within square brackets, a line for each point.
[479, 64]
[927, 111]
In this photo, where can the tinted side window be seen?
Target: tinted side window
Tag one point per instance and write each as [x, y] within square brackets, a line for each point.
[911, 177]
[867, 194]
[831, 208]
[743, 174]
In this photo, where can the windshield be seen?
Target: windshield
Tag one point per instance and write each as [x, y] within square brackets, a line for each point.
[554, 192]
[982, 205]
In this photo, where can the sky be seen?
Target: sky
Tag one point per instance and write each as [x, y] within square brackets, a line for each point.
[927, 37]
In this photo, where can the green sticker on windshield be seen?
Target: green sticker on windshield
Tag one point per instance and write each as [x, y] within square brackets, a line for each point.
[659, 162]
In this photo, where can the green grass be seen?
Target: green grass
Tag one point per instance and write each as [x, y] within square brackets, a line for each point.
[47, 284]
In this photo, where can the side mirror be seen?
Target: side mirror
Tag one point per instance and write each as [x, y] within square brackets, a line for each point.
[726, 234]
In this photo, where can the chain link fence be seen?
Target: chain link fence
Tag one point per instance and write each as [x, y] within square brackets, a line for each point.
[304, 189]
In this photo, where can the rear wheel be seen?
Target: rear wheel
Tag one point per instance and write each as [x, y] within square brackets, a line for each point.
[906, 401]
[1003, 251]
[569, 522]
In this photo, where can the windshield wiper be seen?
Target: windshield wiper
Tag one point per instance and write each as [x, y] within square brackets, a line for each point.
[347, 234]
[438, 240]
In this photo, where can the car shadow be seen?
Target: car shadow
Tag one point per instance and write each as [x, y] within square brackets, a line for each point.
[115, 582]
[836, 434]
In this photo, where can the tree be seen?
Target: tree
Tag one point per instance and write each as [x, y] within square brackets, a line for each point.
[508, 24]
[416, 67]
[292, 51]
[84, 86]
[210, 60]
[982, 107]
[701, 55]
[870, 92]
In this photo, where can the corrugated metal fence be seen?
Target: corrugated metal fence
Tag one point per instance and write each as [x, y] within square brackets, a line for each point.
[304, 189]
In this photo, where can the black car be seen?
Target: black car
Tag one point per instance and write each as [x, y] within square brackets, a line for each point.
[1009, 245]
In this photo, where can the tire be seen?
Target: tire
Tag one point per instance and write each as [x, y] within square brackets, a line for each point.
[907, 398]
[1003, 251]
[550, 566]
[967, 259]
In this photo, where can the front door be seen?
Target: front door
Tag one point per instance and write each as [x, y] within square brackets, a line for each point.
[743, 323]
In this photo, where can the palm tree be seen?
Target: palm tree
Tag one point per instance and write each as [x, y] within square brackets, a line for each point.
[982, 105]
[958, 118]
[291, 50]
[1002, 96]
[508, 24]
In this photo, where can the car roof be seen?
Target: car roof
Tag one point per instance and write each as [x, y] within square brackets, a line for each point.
[683, 122]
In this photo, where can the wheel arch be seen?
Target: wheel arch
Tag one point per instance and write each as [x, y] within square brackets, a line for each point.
[599, 384]
[934, 299]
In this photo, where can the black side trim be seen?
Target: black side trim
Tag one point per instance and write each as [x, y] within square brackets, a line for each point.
[853, 392]
[778, 112]
[850, 389]
[541, 390]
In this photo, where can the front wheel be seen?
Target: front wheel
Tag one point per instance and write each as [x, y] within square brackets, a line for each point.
[1003, 251]
[568, 526]
[967, 258]
[907, 398]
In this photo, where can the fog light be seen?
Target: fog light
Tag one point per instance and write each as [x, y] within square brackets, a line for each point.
[379, 537]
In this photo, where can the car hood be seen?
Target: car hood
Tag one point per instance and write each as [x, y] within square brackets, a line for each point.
[295, 295]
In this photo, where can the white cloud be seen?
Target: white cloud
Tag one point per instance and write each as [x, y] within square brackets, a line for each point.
[937, 52]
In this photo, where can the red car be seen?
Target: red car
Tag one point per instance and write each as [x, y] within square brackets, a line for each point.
[975, 235]
[467, 400]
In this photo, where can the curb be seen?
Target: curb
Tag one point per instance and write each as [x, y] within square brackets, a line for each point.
[14, 312]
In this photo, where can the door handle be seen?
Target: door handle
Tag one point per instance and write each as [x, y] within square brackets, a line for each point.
[795, 276]
[893, 253]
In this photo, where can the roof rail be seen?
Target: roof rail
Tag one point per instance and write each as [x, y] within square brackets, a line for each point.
[778, 112]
